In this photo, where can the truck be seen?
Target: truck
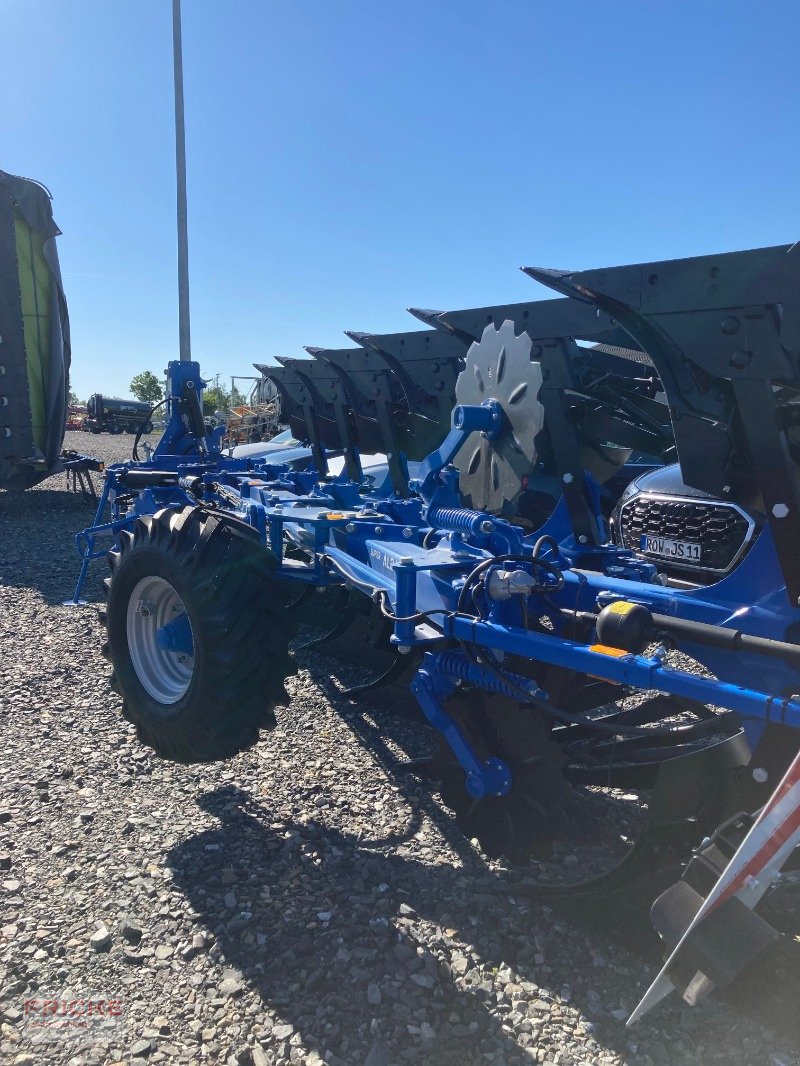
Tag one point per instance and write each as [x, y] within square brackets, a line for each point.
[109, 414]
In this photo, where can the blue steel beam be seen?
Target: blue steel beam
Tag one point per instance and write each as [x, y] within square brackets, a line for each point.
[623, 668]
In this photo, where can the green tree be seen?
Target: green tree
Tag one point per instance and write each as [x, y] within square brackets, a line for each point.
[236, 398]
[146, 387]
[72, 398]
[215, 398]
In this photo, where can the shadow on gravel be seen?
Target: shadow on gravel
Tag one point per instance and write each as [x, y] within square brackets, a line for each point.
[384, 732]
[316, 921]
[400, 740]
[37, 534]
[322, 928]
[764, 991]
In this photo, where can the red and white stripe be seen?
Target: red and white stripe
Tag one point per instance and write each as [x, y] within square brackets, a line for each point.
[765, 848]
[757, 861]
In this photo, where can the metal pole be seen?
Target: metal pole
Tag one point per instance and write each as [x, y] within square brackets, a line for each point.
[180, 171]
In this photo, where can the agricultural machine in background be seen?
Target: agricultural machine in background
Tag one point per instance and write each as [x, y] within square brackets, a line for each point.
[252, 423]
[34, 336]
[109, 414]
[258, 418]
[550, 658]
[76, 417]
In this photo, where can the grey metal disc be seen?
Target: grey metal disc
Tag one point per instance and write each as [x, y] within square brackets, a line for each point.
[499, 367]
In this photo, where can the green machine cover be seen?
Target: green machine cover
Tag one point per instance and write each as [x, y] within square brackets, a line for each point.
[34, 336]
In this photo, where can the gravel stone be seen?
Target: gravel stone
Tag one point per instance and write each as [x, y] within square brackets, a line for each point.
[131, 931]
[230, 986]
[378, 1055]
[101, 940]
[133, 957]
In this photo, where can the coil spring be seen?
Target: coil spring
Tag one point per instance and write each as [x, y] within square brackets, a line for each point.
[460, 520]
[453, 664]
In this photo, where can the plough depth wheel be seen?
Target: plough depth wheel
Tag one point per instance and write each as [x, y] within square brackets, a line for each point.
[541, 804]
[195, 632]
[604, 800]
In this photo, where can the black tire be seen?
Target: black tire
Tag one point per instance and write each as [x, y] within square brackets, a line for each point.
[147, 428]
[223, 575]
[95, 430]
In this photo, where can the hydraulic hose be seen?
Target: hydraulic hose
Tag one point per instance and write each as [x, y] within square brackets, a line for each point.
[632, 626]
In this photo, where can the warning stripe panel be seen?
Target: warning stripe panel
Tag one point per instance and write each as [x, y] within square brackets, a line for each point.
[774, 828]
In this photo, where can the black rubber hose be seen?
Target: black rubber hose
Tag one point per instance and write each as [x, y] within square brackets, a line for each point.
[140, 479]
[631, 626]
[142, 424]
[732, 640]
[484, 565]
[545, 539]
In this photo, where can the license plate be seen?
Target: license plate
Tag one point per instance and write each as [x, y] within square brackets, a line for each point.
[679, 550]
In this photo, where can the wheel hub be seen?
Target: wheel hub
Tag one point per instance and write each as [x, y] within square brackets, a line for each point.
[160, 640]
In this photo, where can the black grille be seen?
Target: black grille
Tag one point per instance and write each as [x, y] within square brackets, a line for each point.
[721, 531]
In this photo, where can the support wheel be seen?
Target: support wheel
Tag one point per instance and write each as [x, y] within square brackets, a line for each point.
[195, 634]
[541, 804]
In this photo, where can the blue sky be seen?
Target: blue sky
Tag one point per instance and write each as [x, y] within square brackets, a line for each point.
[348, 159]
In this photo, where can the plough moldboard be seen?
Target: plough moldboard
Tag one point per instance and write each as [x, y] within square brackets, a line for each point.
[452, 497]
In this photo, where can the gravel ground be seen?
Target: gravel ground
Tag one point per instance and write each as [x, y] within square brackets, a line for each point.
[297, 904]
